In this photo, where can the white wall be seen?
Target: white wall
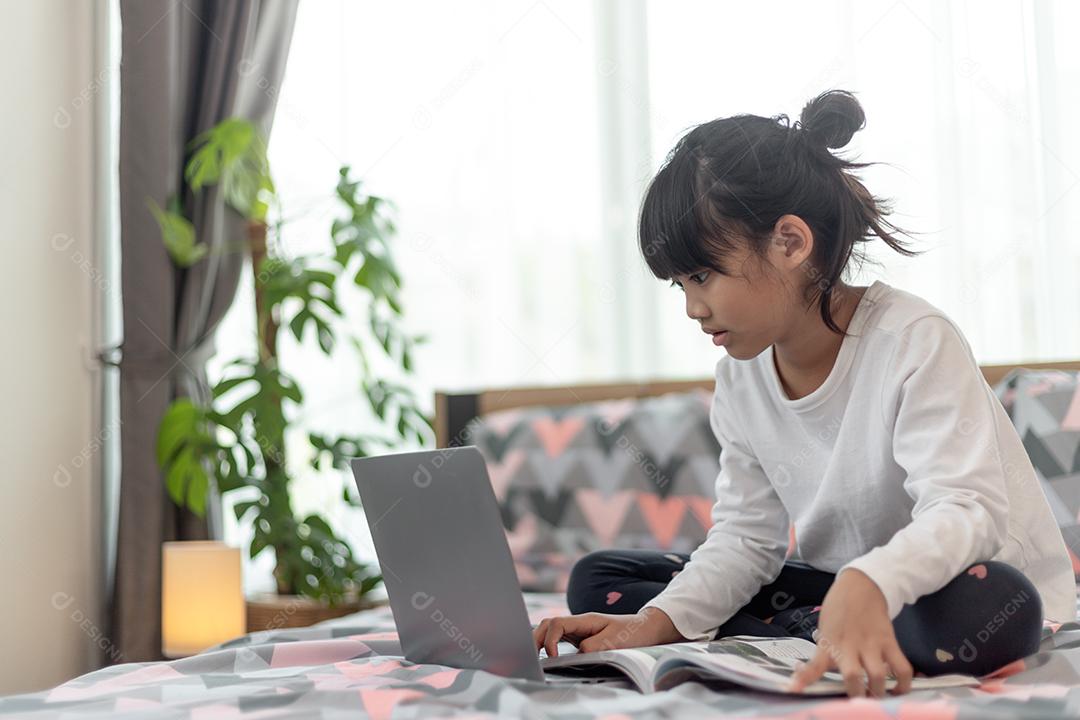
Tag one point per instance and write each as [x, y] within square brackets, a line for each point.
[51, 606]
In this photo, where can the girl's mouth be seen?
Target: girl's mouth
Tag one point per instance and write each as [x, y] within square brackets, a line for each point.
[719, 338]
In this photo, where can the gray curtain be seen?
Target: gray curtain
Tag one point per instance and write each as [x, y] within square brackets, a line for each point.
[185, 66]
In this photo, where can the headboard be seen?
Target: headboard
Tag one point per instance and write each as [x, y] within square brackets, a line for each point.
[454, 410]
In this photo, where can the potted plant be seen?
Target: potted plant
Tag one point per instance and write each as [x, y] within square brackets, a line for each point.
[236, 441]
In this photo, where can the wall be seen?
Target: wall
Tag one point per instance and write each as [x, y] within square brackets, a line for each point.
[51, 611]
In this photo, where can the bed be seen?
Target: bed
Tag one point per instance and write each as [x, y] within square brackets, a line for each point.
[353, 666]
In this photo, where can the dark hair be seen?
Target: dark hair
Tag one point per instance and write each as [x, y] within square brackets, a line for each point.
[727, 182]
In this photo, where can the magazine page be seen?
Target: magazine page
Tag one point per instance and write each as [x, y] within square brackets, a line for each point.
[637, 664]
[766, 664]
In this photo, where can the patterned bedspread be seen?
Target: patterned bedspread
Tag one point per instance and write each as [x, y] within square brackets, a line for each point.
[352, 667]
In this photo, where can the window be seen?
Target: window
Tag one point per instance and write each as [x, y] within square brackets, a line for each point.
[516, 139]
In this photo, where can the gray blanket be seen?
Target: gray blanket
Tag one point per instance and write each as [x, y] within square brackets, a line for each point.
[352, 667]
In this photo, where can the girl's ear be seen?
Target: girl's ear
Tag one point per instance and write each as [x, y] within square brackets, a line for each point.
[792, 242]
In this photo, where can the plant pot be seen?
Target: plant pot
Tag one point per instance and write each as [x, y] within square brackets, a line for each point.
[270, 611]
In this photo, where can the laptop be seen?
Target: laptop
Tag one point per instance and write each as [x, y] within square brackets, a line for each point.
[446, 564]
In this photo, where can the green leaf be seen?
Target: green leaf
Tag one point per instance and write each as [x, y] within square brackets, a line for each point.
[317, 522]
[198, 487]
[225, 386]
[178, 236]
[258, 543]
[233, 154]
[343, 251]
[176, 478]
[249, 457]
[260, 206]
[330, 303]
[179, 422]
[290, 389]
[187, 482]
[322, 277]
[369, 583]
[325, 335]
[227, 473]
[216, 149]
[242, 508]
[349, 498]
[298, 322]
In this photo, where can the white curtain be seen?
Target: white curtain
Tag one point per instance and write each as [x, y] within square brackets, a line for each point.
[968, 101]
[516, 139]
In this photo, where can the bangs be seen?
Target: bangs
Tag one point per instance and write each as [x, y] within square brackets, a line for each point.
[676, 230]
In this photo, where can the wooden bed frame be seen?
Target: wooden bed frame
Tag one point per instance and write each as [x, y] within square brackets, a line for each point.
[453, 410]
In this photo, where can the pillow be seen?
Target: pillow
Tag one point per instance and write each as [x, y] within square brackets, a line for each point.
[629, 473]
[1044, 406]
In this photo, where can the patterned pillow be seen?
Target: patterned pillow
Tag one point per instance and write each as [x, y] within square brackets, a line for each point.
[630, 473]
[1044, 406]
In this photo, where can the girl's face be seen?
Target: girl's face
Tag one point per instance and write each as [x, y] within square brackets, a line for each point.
[755, 305]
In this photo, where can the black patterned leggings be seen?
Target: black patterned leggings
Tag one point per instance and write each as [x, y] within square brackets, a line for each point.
[984, 618]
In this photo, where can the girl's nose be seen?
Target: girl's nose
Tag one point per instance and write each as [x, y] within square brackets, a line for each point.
[696, 309]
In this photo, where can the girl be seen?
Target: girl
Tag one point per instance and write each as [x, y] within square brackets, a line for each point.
[855, 426]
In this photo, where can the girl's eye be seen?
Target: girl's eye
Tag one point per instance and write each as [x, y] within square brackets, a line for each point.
[697, 278]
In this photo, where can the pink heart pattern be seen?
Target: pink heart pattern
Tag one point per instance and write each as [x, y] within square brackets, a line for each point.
[702, 509]
[555, 435]
[662, 516]
[613, 412]
[541, 457]
[501, 472]
[604, 515]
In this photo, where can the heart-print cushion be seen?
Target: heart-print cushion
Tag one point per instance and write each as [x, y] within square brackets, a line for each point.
[1044, 406]
[630, 473]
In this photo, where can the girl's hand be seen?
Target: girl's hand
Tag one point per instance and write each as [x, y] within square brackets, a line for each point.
[856, 636]
[601, 631]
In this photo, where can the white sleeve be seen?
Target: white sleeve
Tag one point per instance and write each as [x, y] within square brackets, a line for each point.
[745, 546]
[945, 438]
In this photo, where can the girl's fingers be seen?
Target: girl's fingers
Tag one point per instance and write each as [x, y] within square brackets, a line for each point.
[539, 632]
[875, 668]
[599, 641]
[901, 668]
[551, 639]
[852, 670]
[811, 671]
[572, 628]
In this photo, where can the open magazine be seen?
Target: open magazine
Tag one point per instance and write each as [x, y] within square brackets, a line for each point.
[756, 663]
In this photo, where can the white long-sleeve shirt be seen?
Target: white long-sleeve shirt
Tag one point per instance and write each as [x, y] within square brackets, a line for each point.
[902, 464]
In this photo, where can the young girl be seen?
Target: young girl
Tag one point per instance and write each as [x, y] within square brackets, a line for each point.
[855, 426]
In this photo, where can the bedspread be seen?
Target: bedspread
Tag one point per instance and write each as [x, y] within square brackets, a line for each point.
[352, 667]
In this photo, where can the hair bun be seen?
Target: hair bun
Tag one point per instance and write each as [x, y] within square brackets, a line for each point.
[832, 118]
